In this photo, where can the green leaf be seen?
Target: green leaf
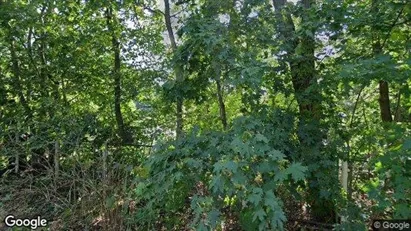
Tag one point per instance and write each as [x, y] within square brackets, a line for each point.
[213, 217]
[218, 167]
[407, 144]
[276, 155]
[260, 137]
[226, 165]
[265, 167]
[278, 219]
[239, 178]
[194, 163]
[256, 196]
[280, 176]
[238, 146]
[260, 214]
[297, 171]
[231, 165]
[270, 200]
[217, 184]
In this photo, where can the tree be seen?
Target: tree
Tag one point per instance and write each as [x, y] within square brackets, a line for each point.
[299, 47]
[124, 134]
[178, 70]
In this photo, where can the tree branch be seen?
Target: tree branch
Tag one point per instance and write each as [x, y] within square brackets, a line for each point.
[392, 26]
[153, 11]
[355, 105]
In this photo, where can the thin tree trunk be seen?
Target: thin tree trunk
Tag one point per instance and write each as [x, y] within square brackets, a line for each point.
[384, 101]
[347, 170]
[105, 155]
[384, 92]
[223, 114]
[16, 72]
[384, 98]
[221, 105]
[397, 115]
[17, 160]
[125, 136]
[178, 70]
[45, 74]
[30, 52]
[17, 84]
[16, 69]
[56, 159]
[63, 86]
[50, 110]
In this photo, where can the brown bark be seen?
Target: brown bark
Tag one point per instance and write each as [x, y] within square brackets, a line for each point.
[384, 95]
[178, 71]
[384, 101]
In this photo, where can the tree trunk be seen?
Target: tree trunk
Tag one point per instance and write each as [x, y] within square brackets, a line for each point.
[221, 105]
[384, 97]
[56, 159]
[397, 114]
[384, 101]
[301, 60]
[178, 70]
[16, 71]
[49, 110]
[17, 155]
[124, 135]
[17, 84]
[384, 92]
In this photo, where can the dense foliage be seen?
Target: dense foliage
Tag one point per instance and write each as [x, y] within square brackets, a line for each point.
[205, 115]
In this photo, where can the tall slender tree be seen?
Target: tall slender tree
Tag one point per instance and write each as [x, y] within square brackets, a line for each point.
[177, 70]
[111, 20]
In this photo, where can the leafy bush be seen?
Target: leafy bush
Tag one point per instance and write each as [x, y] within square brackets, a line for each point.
[390, 190]
[240, 169]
